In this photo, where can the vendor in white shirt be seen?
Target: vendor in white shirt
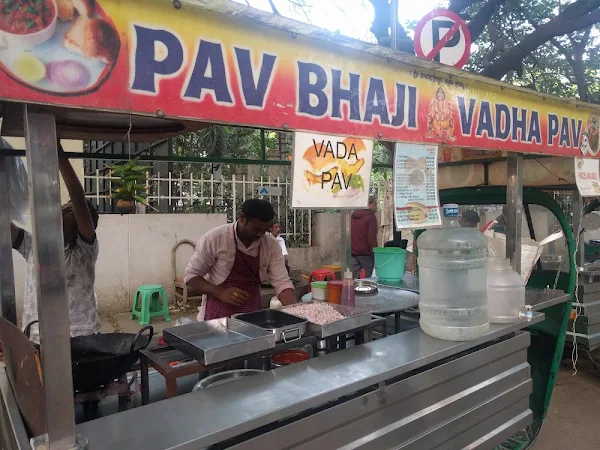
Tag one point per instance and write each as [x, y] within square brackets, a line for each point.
[275, 233]
[231, 261]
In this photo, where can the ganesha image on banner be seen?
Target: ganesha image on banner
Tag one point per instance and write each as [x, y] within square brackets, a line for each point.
[440, 120]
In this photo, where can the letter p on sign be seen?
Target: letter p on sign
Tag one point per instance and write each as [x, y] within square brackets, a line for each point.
[442, 36]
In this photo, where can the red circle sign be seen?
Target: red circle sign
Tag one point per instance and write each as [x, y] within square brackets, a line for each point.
[444, 37]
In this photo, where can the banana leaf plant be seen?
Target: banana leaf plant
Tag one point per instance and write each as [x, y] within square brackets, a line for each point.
[129, 187]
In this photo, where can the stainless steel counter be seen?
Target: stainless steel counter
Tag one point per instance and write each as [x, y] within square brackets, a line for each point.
[202, 419]
[543, 298]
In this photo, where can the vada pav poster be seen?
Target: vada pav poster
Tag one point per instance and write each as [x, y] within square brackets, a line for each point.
[331, 172]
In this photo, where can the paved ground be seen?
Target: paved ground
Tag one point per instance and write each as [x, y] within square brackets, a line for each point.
[573, 421]
[122, 322]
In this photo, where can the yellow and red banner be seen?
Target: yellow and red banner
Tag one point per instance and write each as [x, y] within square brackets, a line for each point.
[148, 57]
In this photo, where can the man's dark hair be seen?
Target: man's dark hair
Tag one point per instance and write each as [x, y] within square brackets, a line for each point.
[372, 199]
[258, 209]
[93, 213]
[471, 216]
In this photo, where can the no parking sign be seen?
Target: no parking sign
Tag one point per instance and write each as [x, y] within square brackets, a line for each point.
[444, 37]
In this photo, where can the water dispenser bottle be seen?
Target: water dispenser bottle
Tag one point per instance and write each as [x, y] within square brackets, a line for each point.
[453, 280]
[506, 291]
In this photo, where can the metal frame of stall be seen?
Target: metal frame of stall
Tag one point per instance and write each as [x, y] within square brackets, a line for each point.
[40, 132]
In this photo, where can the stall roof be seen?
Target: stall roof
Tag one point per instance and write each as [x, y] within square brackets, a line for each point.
[218, 61]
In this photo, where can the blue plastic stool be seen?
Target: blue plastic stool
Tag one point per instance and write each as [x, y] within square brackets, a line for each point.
[146, 303]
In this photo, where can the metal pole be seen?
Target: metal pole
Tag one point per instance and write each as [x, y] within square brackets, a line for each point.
[8, 307]
[514, 209]
[394, 24]
[346, 241]
[263, 145]
[49, 259]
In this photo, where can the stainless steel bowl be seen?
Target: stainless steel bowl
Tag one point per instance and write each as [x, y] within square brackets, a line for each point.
[365, 287]
[225, 377]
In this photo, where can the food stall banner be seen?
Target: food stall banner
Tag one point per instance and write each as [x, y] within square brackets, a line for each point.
[223, 62]
[331, 172]
[416, 198]
[587, 177]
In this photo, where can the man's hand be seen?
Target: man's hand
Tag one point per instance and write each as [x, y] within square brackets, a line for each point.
[233, 296]
[287, 297]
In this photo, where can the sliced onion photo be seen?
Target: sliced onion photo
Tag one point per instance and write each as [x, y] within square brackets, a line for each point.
[69, 75]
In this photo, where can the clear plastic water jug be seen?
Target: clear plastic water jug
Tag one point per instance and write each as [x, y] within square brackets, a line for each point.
[453, 280]
[505, 290]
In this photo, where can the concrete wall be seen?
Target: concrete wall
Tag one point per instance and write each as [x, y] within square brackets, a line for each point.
[327, 238]
[136, 249]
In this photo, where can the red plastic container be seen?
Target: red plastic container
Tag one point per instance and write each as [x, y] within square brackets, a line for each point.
[289, 357]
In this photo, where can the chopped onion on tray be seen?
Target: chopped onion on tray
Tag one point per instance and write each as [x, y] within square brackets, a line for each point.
[320, 313]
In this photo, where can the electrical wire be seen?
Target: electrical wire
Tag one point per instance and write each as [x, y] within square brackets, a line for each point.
[128, 137]
[574, 353]
[550, 172]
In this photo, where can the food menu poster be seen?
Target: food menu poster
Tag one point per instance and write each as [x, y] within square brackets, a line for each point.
[331, 172]
[587, 176]
[222, 62]
[416, 198]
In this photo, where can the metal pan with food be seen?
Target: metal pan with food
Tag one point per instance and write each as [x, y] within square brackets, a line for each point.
[285, 327]
[326, 319]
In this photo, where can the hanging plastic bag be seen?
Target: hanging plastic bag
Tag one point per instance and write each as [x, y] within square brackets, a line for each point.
[18, 186]
[531, 250]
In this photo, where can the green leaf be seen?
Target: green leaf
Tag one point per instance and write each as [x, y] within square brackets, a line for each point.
[140, 199]
[136, 177]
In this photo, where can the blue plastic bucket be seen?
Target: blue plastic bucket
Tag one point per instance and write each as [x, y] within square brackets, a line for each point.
[389, 263]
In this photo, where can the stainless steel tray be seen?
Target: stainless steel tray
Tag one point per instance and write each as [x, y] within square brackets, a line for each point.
[285, 327]
[219, 340]
[354, 318]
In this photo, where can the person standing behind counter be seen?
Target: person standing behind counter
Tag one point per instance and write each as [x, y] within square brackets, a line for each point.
[363, 234]
[275, 230]
[231, 260]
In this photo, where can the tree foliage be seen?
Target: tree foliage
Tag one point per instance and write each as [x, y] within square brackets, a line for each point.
[550, 46]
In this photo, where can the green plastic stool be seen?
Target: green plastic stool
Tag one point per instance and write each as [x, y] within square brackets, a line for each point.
[150, 295]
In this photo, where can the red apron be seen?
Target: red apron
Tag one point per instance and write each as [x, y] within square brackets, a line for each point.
[244, 275]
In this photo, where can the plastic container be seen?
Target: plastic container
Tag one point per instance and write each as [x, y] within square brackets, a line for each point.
[334, 291]
[389, 263]
[348, 289]
[335, 268]
[505, 291]
[319, 290]
[288, 357]
[453, 280]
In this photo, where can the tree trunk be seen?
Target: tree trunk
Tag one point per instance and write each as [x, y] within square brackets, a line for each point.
[579, 73]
